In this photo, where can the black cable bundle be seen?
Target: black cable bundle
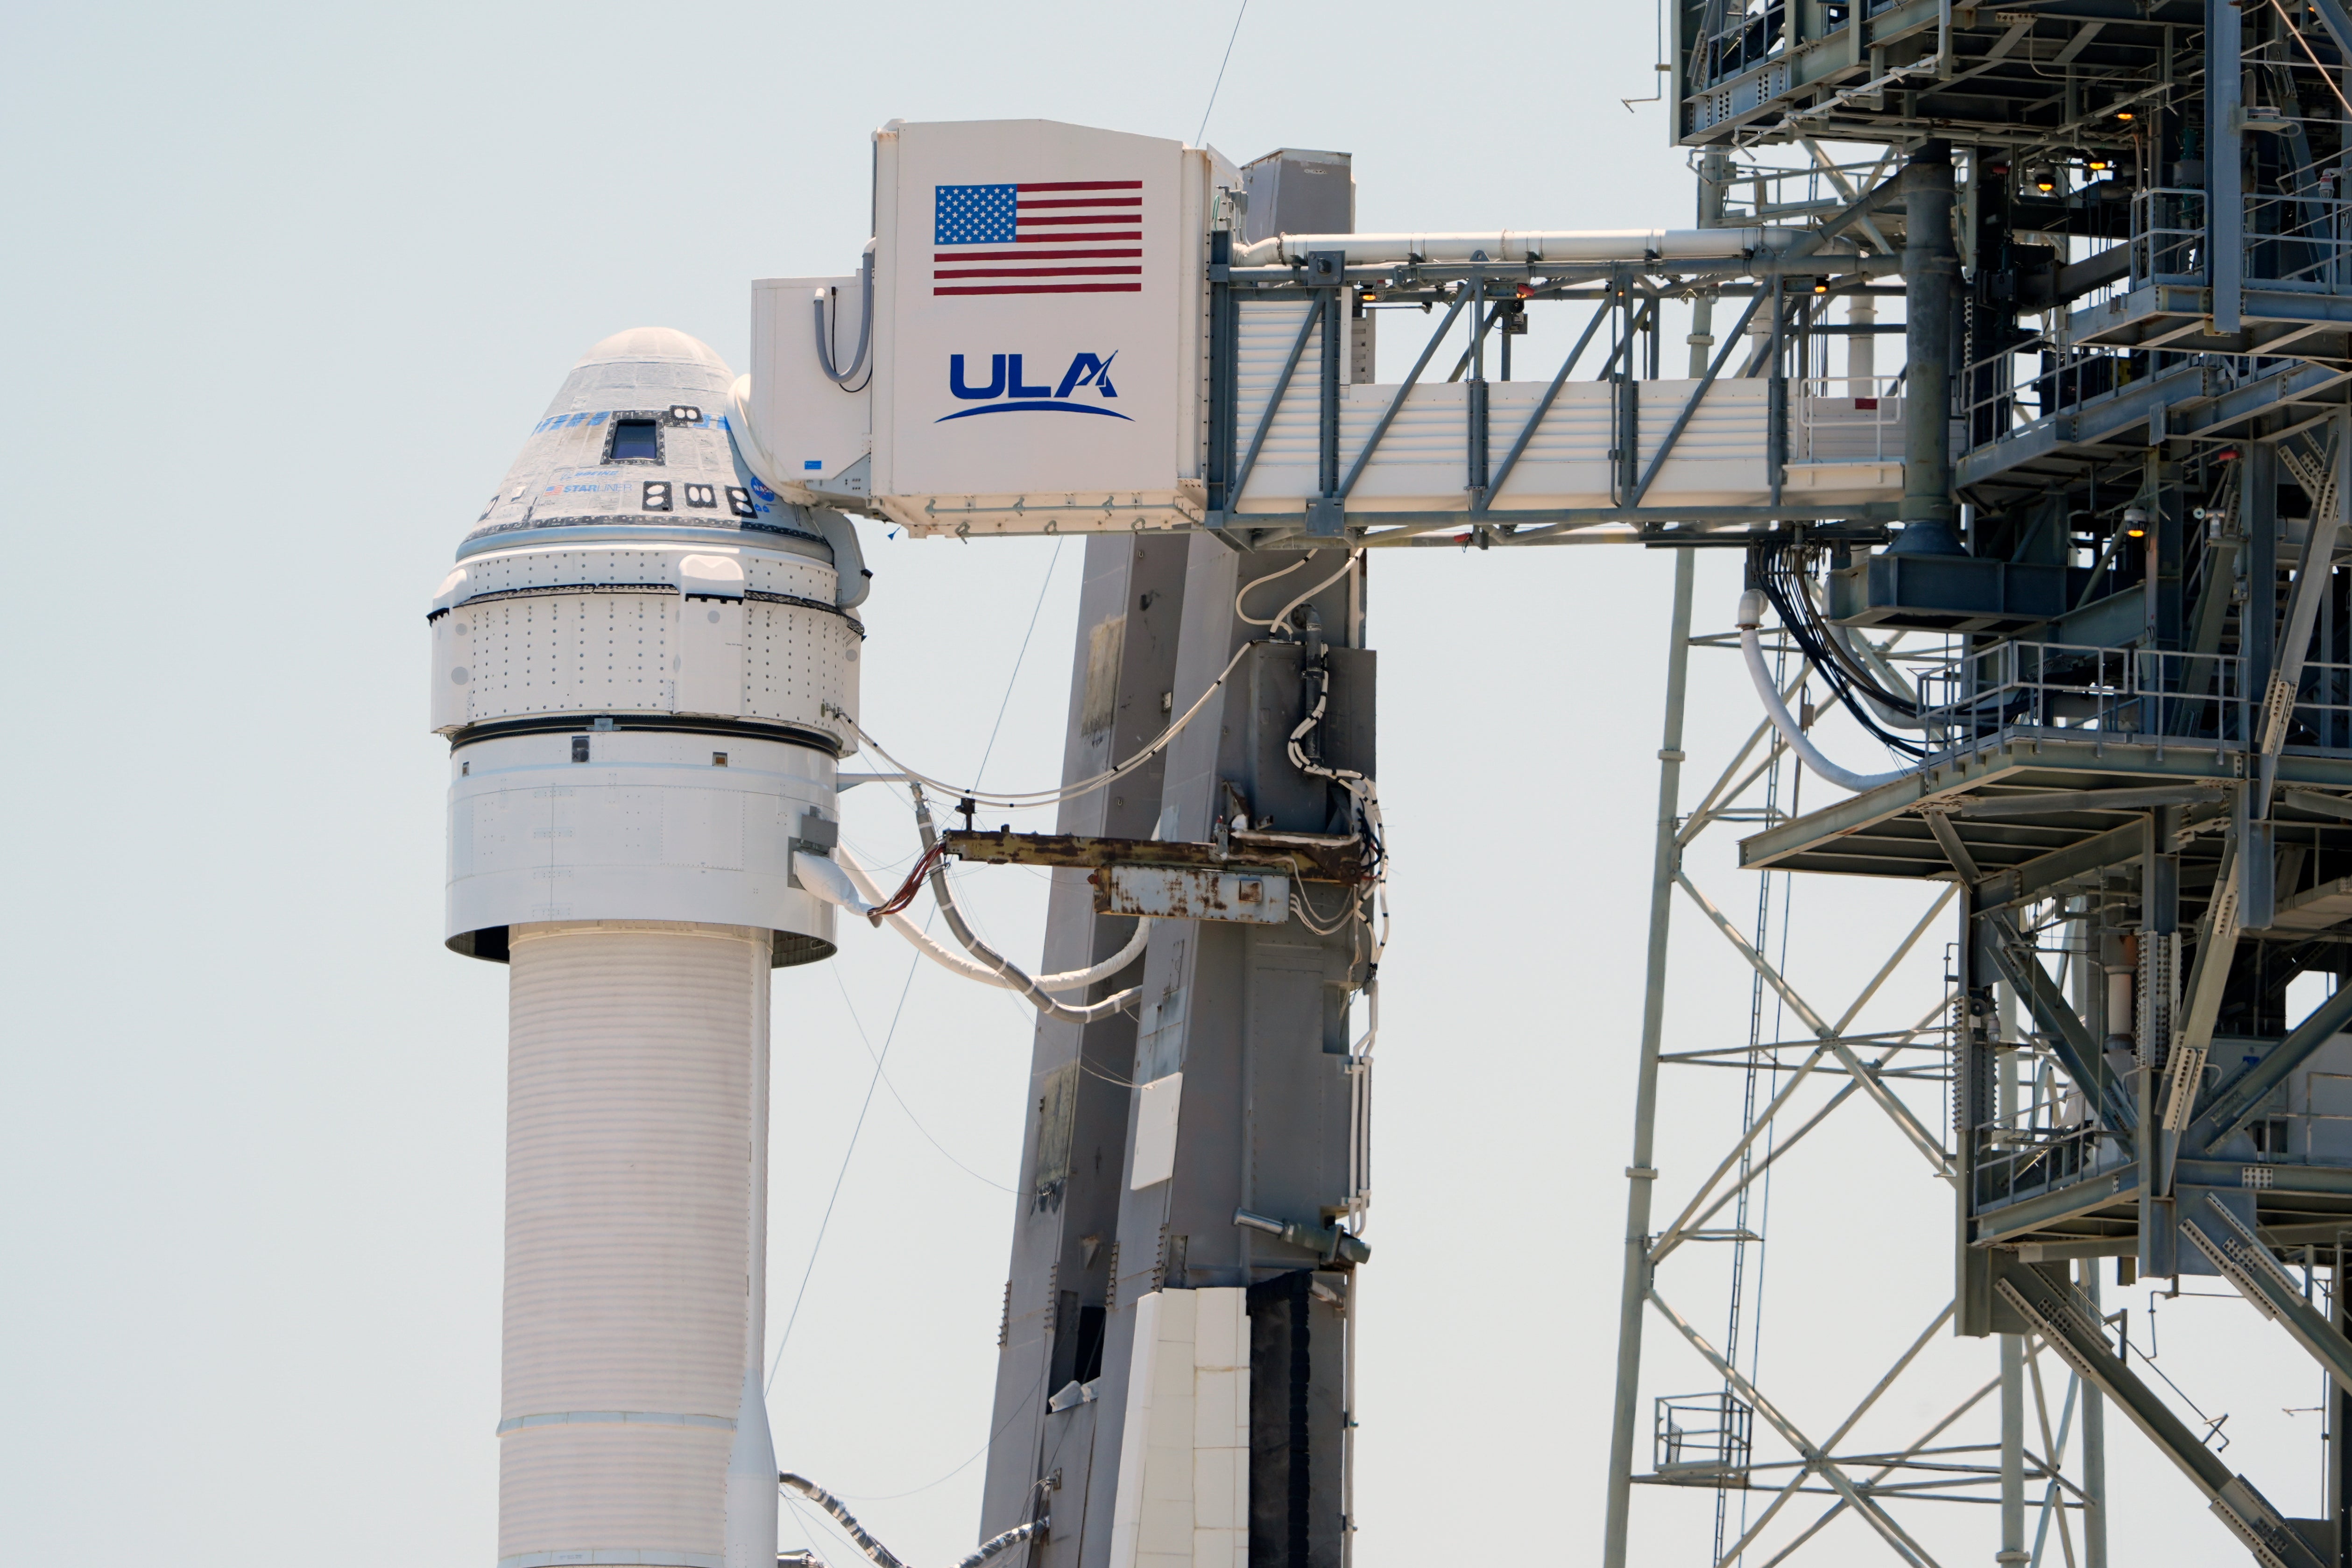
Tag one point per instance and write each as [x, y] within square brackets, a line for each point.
[1779, 571]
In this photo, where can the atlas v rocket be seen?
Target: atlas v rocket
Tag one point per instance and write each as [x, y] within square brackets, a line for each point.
[646, 665]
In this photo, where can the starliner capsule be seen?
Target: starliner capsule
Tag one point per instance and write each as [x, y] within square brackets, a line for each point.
[645, 665]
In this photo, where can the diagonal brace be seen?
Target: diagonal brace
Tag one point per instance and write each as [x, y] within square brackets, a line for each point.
[1690, 406]
[1396, 403]
[1551, 393]
[1816, 1459]
[1921, 1138]
[1274, 400]
[2247, 1264]
[2234, 1106]
[2083, 1346]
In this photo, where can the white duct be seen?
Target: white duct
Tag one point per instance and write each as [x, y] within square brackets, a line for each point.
[1768, 691]
[1593, 246]
[635, 1218]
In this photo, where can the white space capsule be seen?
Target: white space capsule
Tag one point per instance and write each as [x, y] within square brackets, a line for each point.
[642, 662]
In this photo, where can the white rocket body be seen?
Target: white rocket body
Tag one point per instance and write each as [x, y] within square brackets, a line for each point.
[642, 663]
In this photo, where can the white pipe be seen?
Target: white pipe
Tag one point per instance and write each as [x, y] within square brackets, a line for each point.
[828, 880]
[1591, 245]
[915, 935]
[1751, 648]
[1071, 980]
[1079, 979]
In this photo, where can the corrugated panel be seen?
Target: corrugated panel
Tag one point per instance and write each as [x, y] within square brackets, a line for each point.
[628, 1251]
[1265, 329]
[613, 1485]
[1422, 462]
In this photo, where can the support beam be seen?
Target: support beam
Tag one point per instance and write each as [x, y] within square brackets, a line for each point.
[2071, 1039]
[2057, 1311]
[2246, 1263]
[1930, 270]
[1902, 1114]
[1816, 1459]
[2225, 205]
[2235, 1105]
[1641, 1176]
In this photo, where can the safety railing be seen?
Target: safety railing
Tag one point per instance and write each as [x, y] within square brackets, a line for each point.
[2300, 241]
[2014, 1163]
[2296, 241]
[2033, 377]
[1849, 419]
[2323, 708]
[2011, 687]
[1735, 37]
[2168, 242]
[1703, 1434]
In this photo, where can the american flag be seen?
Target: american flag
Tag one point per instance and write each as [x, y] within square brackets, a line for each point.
[1071, 237]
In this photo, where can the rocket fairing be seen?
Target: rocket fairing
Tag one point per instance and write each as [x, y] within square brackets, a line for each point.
[646, 663]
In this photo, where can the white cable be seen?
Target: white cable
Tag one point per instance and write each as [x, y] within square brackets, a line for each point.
[1858, 648]
[1015, 979]
[1751, 648]
[1072, 980]
[920, 938]
[1025, 798]
[1283, 614]
[1079, 979]
[1260, 582]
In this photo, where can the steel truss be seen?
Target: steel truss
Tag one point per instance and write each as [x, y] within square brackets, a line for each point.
[2050, 1507]
[1791, 294]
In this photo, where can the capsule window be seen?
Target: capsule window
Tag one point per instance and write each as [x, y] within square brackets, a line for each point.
[717, 759]
[579, 748]
[635, 441]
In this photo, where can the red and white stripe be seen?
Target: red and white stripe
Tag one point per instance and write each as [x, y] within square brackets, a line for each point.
[1076, 237]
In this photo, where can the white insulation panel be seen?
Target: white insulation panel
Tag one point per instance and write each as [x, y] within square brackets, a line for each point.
[1182, 1500]
[629, 1211]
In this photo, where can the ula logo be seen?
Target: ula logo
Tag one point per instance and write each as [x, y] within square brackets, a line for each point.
[1006, 391]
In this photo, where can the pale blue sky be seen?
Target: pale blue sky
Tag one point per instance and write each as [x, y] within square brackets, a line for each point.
[290, 285]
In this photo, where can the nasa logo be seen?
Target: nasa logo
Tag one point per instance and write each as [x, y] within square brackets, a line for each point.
[1006, 391]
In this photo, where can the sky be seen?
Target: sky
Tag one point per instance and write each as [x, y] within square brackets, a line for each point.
[291, 284]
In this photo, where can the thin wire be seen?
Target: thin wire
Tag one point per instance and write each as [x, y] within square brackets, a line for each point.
[880, 1058]
[1034, 613]
[891, 1084]
[793, 1504]
[818, 1245]
[1018, 1411]
[1221, 74]
[1025, 800]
